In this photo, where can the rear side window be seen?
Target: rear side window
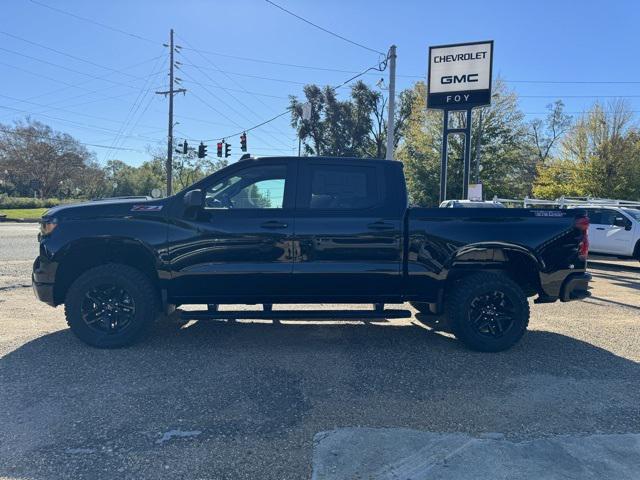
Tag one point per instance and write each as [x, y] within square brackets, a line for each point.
[608, 217]
[595, 216]
[348, 187]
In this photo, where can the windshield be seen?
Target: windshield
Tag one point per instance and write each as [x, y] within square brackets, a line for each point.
[635, 214]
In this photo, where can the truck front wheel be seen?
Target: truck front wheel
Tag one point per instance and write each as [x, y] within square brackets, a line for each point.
[488, 312]
[111, 306]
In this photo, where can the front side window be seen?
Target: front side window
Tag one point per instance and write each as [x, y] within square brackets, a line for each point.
[256, 187]
[337, 187]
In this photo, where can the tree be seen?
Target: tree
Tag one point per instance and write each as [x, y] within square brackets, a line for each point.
[39, 160]
[599, 157]
[546, 133]
[355, 127]
[506, 154]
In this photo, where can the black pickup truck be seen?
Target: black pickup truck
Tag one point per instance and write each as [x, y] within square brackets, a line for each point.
[306, 230]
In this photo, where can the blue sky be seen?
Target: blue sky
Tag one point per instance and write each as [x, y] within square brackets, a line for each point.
[108, 98]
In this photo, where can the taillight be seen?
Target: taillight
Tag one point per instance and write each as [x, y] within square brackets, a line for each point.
[582, 224]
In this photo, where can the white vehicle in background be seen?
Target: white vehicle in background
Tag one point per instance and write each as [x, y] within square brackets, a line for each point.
[614, 224]
[470, 204]
[614, 230]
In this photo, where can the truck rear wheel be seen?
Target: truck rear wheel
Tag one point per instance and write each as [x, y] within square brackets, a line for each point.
[488, 312]
[111, 306]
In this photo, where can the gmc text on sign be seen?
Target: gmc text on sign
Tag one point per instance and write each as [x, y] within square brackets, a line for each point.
[460, 75]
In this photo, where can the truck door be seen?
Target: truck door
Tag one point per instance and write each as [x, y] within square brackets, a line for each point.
[348, 234]
[239, 244]
[612, 233]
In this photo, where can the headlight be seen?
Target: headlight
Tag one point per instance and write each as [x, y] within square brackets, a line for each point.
[47, 226]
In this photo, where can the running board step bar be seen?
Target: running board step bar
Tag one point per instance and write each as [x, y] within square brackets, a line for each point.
[292, 314]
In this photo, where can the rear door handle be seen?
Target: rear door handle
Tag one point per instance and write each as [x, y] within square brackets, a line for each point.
[273, 225]
[380, 225]
[600, 228]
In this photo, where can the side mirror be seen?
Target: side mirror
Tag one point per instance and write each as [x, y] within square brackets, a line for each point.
[193, 198]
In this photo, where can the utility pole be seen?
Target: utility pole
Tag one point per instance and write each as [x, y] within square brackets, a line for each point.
[171, 92]
[478, 143]
[392, 101]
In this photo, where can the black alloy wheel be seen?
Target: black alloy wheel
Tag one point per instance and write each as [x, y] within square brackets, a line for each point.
[108, 308]
[492, 314]
[112, 305]
[487, 311]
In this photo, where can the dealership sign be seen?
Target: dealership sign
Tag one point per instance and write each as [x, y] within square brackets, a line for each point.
[460, 75]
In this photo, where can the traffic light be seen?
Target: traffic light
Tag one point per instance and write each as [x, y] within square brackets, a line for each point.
[243, 142]
[219, 149]
[202, 150]
[227, 150]
[185, 147]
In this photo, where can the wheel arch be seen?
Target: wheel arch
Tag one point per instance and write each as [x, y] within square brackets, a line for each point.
[517, 262]
[82, 255]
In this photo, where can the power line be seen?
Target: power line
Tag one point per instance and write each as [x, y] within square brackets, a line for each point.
[66, 109]
[77, 85]
[381, 66]
[294, 82]
[85, 126]
[238, 84]
[80, 72]
[60, 52]
[146, 88]
[324, 29]
[237, 90]
[231, 107]
[603, 82]
[578, 96]
[422, 76]
[103, 25]
[35, 135]
[249, 75]
[269, 62]
[574, 113]
[251, 128]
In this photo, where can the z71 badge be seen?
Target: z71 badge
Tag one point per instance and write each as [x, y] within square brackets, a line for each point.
[146, 208]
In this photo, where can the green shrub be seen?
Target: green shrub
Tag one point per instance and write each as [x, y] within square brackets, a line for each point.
[29, 202]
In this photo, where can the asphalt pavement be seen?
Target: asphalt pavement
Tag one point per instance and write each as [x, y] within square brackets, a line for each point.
[232, 400]
[18, 249]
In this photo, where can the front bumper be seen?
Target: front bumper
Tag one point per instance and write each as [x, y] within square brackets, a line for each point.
[42, 280]
[575, 287]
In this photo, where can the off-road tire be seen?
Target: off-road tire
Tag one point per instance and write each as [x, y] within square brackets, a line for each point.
[137, 285]
[459, 302]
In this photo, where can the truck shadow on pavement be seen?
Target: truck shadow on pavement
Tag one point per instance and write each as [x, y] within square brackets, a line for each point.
[251, 396]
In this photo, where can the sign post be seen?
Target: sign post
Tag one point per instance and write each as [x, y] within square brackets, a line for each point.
[459, 79]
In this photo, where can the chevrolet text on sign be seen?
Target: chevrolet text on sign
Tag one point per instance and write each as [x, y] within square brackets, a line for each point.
[460, 75]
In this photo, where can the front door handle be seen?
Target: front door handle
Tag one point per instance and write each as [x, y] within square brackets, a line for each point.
[380, 225]
[599, 228]
[273, 225]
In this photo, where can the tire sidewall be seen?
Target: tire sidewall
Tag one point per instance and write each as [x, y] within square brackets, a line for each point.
[465, 331]
[139, 291]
